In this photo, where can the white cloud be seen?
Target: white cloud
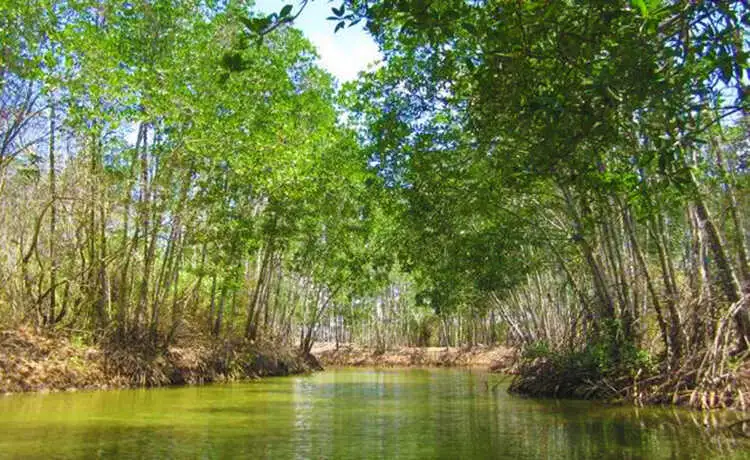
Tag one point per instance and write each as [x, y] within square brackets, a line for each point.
[345, 53]
[345, 57]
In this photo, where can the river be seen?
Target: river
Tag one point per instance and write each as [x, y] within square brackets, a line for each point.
[349, 413]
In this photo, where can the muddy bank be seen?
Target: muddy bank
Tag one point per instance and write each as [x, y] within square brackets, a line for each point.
[34, 362]
[493, 358]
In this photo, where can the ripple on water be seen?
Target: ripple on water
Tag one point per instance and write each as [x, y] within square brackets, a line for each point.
[349, 413]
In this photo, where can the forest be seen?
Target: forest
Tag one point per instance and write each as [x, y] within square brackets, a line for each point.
[569, 178]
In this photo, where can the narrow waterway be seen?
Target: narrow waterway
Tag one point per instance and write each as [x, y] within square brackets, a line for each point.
[348, 413]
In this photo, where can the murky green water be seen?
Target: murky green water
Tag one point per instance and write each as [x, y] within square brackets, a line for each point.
[347, 413]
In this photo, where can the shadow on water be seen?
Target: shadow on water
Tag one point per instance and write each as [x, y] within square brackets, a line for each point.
[351, 413]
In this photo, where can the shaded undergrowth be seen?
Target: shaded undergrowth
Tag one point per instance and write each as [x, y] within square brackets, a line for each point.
[703, 380]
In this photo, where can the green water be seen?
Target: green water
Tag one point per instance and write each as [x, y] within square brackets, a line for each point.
[346, 413]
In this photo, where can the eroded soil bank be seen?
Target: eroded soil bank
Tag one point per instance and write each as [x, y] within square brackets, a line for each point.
[30, 361]
[493, 358]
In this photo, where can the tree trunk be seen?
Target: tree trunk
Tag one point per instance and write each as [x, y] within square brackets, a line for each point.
[727, 277]
[52, 218]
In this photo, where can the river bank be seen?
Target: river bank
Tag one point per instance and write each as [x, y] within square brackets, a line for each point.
[34, 362]
[495, 358]
[556, 377]
[30, 361]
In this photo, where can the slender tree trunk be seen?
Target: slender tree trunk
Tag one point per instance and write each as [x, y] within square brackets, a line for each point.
[251, 326]
[649, 285]
[212, 306]
[600, 284]
[129, 246]
[53, 218]
[220, 314]
[675, 326]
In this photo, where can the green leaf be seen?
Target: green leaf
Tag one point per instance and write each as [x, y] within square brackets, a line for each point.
[248, 22]
[256, 25]
[725, 66]
[469, 27]
[641, 5]
[285, 11]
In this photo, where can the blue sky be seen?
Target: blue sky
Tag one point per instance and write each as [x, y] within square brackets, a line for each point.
[344, 53]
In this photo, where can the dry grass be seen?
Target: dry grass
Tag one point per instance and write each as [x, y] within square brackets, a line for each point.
[493, 358]
[31, 361]
[34, 362]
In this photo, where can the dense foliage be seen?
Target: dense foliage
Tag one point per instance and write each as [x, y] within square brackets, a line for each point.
[149, 191]
[581, 167]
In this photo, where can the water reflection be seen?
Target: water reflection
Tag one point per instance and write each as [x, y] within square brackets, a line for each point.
[349, 413]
